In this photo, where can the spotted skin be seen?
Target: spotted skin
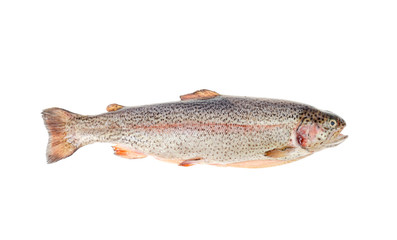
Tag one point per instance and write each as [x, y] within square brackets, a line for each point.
[222, 130]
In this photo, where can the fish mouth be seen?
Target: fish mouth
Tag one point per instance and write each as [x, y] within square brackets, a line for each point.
[336, 141]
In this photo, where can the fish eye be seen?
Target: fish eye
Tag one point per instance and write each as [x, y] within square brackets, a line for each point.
[332, 122]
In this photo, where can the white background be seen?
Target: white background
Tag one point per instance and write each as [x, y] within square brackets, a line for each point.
[84, 55]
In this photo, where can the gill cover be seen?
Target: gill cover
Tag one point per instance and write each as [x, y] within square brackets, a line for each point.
[307, 132]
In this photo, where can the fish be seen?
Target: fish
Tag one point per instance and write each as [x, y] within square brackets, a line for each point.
[204, 127]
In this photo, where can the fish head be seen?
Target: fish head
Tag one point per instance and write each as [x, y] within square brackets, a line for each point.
[320, 129]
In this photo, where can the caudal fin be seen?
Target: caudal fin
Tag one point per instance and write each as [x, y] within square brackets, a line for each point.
[56, 120]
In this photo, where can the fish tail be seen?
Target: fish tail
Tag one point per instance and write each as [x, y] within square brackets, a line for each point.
[56, 121]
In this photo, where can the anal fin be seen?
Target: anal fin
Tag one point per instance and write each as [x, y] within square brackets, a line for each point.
[126, 152]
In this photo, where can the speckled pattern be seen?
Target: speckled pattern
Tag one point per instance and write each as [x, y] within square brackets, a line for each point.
[220, 130]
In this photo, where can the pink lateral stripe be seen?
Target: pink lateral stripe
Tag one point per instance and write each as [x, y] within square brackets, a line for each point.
[215, 126]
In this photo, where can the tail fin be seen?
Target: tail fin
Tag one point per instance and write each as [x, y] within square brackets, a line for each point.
[58, 147]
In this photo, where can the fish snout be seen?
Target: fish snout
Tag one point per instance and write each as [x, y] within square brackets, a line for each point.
[342, 123]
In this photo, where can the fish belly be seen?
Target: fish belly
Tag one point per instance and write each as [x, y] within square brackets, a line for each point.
[212, 143]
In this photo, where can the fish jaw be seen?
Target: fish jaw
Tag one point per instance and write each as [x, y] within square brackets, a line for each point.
[338, 140]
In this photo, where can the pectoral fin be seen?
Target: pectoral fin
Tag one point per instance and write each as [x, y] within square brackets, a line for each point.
[200, 94]
[279, 152]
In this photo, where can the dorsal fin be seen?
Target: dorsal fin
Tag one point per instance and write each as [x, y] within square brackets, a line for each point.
[200, 94]
[113, 107]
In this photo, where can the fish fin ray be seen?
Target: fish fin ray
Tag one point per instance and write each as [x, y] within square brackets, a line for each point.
[127, 152]
[55, 120]
[114, 107]
[200, 94]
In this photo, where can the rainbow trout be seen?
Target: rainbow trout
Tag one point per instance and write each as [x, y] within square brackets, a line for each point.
[204, 127]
